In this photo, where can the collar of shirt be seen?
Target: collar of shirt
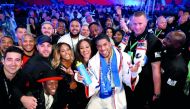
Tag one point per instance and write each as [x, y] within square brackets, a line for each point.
[48, 100]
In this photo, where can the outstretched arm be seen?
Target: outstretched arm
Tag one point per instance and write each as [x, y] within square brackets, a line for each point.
[156, 78]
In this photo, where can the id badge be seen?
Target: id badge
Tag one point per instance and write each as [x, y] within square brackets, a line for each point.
[131, 54]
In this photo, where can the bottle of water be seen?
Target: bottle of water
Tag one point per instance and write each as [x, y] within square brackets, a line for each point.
[82, 70]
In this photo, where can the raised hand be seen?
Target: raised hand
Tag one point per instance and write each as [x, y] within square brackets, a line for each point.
[118, 10]
[135, 67]
[67, 70]
[123, 25]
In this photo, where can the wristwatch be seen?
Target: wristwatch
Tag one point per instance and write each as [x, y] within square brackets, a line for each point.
[157, 95]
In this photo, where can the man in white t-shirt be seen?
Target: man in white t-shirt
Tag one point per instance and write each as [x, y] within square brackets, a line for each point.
[73, 36]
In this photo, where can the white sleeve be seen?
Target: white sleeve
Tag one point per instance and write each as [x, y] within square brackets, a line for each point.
[127, 74]
[94, 86]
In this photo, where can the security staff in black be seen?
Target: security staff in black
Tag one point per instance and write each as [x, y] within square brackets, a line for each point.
[143, 43]
[174, 70]
[161, 28]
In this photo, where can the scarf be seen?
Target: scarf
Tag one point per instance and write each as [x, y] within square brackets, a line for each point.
[108, 71]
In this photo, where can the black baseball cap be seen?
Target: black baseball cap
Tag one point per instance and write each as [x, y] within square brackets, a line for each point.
[43, 38]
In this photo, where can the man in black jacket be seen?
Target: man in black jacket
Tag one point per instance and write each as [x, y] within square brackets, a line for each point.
[47, 98]
[12, 62]
[144, 47]
[174, 71]
[40, 62]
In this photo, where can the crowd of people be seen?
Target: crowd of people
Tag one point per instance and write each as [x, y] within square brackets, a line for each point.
[134, 61]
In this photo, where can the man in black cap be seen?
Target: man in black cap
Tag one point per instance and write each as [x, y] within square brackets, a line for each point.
[40, 62]
[47, 98]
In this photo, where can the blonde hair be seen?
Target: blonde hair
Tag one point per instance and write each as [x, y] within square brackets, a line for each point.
[139, 13]
[57, 57]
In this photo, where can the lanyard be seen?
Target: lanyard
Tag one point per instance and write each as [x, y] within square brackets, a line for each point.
[7, 89]
[134, 44]
[158, 33]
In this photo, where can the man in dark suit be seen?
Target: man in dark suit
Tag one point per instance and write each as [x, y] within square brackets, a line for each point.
[47, 97]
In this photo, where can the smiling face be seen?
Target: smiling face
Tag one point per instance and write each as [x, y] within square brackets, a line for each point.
[85, 31]
[66, 52]
[85, 49]
[75, 28]
[5, 42]
[109, 32]
[95, 30]
[44, 49]
[104, 47]
[47, 29]
[139, 24]
[28, 43]
[12, 63]
[50, 87]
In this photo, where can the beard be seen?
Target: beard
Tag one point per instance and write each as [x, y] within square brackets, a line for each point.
[29, 50]
[74, 35]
